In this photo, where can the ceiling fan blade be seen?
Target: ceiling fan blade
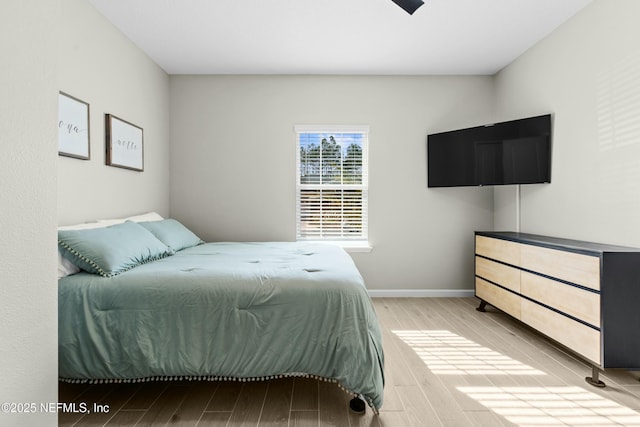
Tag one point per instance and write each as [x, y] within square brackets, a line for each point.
[409, 6]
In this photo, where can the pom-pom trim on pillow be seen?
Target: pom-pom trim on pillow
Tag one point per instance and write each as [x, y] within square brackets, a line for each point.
[66, 267]
[111, 250]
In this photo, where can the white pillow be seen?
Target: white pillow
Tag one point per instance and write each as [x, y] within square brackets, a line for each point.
[83, 226]
[150, 216]
[66, 267]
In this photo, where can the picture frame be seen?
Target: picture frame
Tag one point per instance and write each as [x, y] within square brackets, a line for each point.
[124, 144]
[73, 127]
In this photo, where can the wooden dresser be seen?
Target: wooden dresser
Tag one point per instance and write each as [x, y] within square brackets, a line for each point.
[585, 296]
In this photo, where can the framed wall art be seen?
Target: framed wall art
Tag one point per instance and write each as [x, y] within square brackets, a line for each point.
[124, 142]
[73, 127]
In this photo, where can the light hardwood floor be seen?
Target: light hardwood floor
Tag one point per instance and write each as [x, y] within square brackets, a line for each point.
[446, 365]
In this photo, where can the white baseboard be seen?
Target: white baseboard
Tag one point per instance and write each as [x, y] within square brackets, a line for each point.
[421, 293]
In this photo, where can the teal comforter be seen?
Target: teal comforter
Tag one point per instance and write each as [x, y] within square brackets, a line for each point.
[225, 310]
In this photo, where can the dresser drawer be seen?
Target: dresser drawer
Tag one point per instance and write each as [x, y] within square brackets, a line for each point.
[498, 249]
[575, 268]
[579, 303]
[498, 297]
[580, 338]
[501, 274]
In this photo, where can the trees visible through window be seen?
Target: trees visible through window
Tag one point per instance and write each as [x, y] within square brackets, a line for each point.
[331, 183]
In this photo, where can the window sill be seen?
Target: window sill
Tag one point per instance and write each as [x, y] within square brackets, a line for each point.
[347, 245]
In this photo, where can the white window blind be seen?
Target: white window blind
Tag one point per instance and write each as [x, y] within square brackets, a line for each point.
[331, 183]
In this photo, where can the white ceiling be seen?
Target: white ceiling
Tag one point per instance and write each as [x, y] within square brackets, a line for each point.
[335, 36]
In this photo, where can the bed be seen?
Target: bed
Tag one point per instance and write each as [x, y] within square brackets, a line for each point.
[209, 311]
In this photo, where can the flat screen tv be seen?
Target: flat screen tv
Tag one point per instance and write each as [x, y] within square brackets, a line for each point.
[513, 152]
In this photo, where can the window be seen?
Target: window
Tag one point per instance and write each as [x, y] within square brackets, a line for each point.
[331, 183]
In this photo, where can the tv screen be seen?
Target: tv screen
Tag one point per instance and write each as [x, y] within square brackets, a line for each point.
[514, 152]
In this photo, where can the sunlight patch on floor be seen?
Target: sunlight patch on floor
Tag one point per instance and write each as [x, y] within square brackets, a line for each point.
[549, 406]
[446, 353]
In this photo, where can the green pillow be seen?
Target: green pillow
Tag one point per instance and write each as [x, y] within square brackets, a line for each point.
[111, 250]
[172, 233]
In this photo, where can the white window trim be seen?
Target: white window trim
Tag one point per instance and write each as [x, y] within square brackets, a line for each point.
[350, 245]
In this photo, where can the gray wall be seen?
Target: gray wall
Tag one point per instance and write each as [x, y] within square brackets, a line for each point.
[233, 165]
[28, 137]
[62, 45]
[587, 73]
[99, 65]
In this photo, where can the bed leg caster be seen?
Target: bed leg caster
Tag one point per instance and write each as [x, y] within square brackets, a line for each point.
[357, 405]
[594, 379]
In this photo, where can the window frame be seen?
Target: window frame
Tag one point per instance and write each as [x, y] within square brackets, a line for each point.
[356, 244]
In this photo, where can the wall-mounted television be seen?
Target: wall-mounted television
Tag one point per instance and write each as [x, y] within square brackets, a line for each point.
[513, 152]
